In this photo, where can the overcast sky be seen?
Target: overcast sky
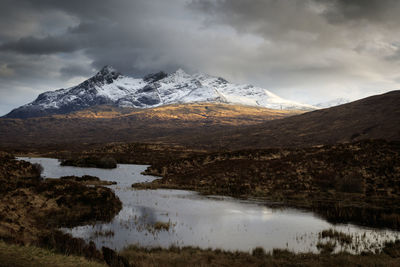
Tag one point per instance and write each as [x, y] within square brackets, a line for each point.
[305, 50]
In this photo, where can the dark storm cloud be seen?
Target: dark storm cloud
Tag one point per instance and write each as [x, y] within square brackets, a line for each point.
[372, 10]
[39, 46]
[285, 16]
[349, 41]
[301, 49]
[134, 36]
[74, 70]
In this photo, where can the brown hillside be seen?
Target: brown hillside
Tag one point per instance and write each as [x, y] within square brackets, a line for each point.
[375, 117]
[197, 112]
[213, 126]
[168, 124]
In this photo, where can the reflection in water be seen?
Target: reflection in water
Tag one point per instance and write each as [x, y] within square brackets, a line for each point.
[195, 220]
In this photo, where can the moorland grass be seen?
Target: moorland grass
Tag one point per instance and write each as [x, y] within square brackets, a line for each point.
[22, 256]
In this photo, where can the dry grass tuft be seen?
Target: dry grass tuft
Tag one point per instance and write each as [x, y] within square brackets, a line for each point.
[22, 256]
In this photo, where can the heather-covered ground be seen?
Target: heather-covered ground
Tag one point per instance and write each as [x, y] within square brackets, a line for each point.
[32, 210]
[201, 257]
[354, 182]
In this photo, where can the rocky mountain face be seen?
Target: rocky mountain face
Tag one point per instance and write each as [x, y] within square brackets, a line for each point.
[109, 87]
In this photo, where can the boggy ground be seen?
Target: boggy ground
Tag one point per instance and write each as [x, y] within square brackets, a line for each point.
[354, 182]
[129, 153]
[12, 255]
[91, 162]
[189, 256]
[32, 209]
[358, 179]
[86, 180]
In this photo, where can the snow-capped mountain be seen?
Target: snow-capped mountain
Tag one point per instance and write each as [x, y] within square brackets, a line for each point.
[109, 87]
[333, 103]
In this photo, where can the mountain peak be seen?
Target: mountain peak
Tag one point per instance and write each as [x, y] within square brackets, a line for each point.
[109, 87]
[107, 74]
[180, 72]
[153, 77]
[108, 69]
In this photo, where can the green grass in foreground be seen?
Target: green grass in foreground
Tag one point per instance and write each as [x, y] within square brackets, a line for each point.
[15, 256]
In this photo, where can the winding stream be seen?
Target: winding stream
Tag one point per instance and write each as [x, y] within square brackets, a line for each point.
[202, 221]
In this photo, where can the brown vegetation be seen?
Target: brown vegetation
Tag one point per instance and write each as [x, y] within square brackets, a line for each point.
[189, 256]
[167, 124]
[213, 112]
[159, 226]
[214, 126]
[356, 182]
[12, 255]
[90, 162]
[86, 180]
[332, 234]
[375, 117]
[351, 182]
[132, 153]
[32, 209]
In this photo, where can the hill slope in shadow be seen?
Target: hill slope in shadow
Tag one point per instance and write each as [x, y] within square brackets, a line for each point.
[213, 126]
[375, 117]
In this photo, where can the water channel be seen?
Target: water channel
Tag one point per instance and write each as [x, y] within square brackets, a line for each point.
[201, 221]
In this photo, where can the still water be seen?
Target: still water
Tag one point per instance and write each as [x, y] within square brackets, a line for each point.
[202, 221]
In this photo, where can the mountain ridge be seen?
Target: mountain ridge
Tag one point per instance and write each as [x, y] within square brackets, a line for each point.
[213, 127]
[110, 87]
[333, 102]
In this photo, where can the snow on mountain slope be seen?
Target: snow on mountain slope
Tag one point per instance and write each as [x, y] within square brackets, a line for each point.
[333, 103]
[109, 87]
